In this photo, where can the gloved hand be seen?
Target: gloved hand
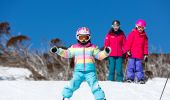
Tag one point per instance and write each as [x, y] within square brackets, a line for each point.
[129, 54]
[124, 56]
[53, 49]
[107, 49]
[146, 58]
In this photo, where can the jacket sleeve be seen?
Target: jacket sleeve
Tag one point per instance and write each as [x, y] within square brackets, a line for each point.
[146, 46]
[107, 41]
[100, 55]
[69, 53]
[124, 43]
[129, 41]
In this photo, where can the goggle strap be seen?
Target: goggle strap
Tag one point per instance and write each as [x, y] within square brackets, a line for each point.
[141, 26]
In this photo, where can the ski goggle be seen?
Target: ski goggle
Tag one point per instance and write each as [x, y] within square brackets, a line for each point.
[140, 27]
[83, 37]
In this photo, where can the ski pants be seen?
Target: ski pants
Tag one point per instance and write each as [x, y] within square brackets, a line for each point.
[78, 78]
[115, 64]
[134, 67]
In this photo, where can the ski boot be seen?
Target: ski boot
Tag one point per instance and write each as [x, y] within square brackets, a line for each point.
[102, 99]
[65, 99]
[129, 81]
[141, 82]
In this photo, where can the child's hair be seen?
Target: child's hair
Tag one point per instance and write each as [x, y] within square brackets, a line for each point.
[111, 31]
[117, 21]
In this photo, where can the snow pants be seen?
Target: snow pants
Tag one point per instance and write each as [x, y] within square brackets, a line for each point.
[134, 67]
[78, 78]
[115, 65]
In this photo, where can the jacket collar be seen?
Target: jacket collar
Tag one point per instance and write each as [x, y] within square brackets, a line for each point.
[87, 45]
[112, 32]
[136, 31]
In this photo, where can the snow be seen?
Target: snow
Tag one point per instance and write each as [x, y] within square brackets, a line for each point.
[8, 73]
[51, 90]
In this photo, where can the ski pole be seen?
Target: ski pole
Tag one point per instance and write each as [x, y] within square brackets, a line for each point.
[164, 87]
[146, 66]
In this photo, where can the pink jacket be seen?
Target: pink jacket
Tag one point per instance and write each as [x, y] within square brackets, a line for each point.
[137, 44]
[116, 42]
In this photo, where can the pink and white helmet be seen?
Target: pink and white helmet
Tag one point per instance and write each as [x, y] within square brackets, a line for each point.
[141, 22]
[83, 31]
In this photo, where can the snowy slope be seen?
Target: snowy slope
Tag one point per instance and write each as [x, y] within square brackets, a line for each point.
[51, 90]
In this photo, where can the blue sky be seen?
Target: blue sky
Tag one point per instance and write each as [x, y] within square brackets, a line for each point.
[42, 20]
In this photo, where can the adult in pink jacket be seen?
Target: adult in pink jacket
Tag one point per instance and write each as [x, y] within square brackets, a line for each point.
[137, 50]
[115, 39]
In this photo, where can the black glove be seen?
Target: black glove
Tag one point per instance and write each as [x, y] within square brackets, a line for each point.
[124, 56]
[146, 58]
[129, 54]
[107, 49]
[54, 49]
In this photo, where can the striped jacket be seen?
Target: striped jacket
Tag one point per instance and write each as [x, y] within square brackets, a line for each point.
[84, 56]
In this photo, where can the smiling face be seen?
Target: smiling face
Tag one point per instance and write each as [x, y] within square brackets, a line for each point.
[140, 28]
[116, 25]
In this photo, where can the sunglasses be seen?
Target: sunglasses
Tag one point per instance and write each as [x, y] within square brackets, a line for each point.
[115, 26]
[83, 37]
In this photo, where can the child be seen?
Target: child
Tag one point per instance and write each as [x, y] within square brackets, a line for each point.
[116, 40]
[137, 50]
[84, 52]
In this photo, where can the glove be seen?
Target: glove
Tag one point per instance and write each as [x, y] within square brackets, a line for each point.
[53, 49]
[146, 58]
[108, 49]
[129, 54]
[124, 56]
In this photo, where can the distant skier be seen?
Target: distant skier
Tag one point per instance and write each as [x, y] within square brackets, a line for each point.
[137, 50]
[84, 52]
[116, 40]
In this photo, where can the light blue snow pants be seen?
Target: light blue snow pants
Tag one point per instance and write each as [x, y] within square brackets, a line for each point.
[78, 78]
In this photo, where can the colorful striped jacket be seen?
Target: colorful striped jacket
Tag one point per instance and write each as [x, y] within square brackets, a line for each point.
[84, 56]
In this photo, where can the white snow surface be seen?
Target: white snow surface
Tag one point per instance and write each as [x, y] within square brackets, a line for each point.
[51, 90]
[21, 89]
[11, 73]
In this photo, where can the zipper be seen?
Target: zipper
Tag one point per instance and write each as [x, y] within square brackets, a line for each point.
[117, 45]
[84, 58]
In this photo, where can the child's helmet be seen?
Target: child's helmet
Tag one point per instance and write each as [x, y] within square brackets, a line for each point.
[83, 34]
[83, 31]
[141, 22]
